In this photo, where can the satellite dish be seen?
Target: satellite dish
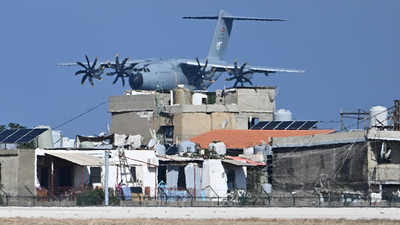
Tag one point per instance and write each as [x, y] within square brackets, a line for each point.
[151, 143]
[225, 123]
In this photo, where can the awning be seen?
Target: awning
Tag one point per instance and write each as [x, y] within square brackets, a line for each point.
[242, 161]
[79, 158]
[237, 163]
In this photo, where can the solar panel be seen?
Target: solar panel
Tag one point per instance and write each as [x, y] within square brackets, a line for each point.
[296, 125]
[16, 135]
[20, 135]
[271, 125]
[5, 134]
[259, 125]
[283, 125]
[31, 135]
[308, 125]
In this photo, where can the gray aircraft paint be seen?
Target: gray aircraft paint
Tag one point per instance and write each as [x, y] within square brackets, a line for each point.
[167, 74]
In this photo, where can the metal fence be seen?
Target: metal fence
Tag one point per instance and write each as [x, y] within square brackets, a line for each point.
[199, 201]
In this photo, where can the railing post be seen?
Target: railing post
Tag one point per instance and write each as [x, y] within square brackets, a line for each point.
[1, 189]
[33, 196]
[269, 198]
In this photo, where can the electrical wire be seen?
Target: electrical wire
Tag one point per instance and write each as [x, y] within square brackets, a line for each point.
[76, 117]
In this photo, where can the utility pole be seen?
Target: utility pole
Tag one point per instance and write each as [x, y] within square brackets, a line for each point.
[106, 155]
[396, 115]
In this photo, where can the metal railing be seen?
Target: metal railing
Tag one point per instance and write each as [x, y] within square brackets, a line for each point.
[232, 200]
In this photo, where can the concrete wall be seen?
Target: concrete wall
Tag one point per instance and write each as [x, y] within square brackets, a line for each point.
[248, 98]
[137, 114]
[133, 114]
[133, 123]
[18, 171]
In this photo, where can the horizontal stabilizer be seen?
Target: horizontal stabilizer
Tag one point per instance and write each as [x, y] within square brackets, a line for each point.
[231, 17]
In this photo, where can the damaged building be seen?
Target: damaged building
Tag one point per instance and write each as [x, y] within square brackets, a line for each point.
[362, 161]
[167, 115]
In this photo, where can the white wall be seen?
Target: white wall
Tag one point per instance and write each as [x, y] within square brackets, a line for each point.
[214, 175]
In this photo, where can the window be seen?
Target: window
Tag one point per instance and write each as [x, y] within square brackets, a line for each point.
[95, 175]
[133, 173]
[168, 134]
[181, 177]
[252, 122]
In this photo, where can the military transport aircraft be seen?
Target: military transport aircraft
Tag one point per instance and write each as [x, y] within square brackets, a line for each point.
[167, 74]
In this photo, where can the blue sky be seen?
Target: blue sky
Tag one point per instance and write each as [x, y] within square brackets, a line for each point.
[351, 50]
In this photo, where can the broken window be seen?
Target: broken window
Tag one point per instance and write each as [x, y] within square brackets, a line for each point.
[133, 173]
[168, 134]
[387, 152]
[252, 122]
[95, 175]
[231, 180]
[181, 177]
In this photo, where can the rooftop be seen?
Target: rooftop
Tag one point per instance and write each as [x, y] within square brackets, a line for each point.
[239, 139]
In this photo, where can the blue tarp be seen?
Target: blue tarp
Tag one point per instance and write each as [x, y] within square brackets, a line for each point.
[126, 193]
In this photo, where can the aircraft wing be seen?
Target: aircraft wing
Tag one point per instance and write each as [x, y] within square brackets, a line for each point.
[101, 64]
[223, 67]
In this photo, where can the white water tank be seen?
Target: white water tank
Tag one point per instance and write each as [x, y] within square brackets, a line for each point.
[282, 115]
[378, 116]
[45, 140]
[199, 98]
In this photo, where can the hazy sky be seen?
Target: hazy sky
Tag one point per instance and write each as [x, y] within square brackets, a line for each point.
[351, 50]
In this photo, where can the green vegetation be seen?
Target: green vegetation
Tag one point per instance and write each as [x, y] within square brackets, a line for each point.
[96, 197]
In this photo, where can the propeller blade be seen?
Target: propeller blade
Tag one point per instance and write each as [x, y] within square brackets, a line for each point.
[81, 64]
[80, 71]
[115, 81]
[83, 79]
[123, 62]
[87, 60]
[94, 64]
[91, 81]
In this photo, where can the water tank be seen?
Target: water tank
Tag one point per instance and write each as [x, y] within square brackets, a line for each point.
[199, 98]
[282, 115]
[182, 96]
[160, 149]
[378, 116]
[57, 139]
[45, 140]
[186, 146]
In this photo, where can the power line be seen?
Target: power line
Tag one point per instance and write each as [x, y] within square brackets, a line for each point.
[76, 117]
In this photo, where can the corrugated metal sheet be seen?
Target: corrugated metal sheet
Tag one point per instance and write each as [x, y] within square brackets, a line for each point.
[81, 159]
[251, 162]
[237, 163]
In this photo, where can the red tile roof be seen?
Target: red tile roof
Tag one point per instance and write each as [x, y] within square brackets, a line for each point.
[248, 138]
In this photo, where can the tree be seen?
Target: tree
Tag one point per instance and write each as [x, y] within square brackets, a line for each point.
[12, 126]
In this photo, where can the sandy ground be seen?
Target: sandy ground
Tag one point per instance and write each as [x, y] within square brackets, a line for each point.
[200, 213]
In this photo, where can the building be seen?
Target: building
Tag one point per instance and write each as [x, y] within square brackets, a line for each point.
[167, 115]
[363, 161]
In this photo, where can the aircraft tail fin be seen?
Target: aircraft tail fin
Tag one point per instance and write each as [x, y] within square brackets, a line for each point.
[223, 31]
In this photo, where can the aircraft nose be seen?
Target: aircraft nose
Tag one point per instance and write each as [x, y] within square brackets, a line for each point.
[136, 81]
